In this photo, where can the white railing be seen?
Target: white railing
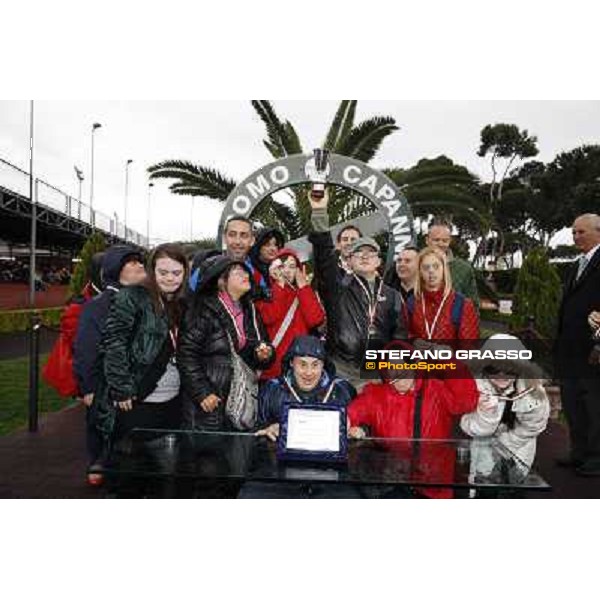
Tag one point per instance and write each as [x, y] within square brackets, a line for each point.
[17, 180]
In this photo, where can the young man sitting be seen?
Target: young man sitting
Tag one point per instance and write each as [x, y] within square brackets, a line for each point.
[308, 377]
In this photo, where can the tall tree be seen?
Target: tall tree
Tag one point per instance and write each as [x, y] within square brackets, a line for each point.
[358, 140]
[505, 144]
[440, 187]
[95, 243]
[540, 199]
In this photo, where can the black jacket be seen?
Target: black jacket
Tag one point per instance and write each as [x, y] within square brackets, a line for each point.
[204, 354]
[196, 269]
[347, 306]
[574, 337]
[93, 317]
[261, 284]
[135, 350]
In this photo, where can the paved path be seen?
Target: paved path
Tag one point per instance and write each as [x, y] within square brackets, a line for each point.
[47, 464]
[51, 463]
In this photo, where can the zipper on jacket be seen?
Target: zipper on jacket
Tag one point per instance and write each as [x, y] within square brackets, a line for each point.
[417, 424]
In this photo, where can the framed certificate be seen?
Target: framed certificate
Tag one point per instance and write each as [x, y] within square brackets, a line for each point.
[313, 432]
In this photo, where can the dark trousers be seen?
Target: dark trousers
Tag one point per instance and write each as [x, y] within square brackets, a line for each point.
[581, 402]
[161, 415]
[93, 439]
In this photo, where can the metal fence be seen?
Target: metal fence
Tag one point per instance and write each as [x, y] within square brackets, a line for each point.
[17, 180]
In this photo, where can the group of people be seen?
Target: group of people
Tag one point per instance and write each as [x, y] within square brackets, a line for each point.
[176, 342]
[13, 271]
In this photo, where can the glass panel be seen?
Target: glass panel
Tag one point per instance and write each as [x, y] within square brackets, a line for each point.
[476, 464]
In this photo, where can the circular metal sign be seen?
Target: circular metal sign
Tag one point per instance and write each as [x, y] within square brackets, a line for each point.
[393, 212]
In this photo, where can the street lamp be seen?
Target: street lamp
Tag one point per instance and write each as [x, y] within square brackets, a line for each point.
[129, 161]
[79, 174]
[150, 186]
[35, 319]
[94, 127]
[33, 236]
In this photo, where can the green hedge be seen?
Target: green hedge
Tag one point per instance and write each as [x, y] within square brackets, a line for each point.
[19, 320]
[537, 294]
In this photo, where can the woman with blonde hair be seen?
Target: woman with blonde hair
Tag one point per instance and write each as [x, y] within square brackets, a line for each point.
[437, 312]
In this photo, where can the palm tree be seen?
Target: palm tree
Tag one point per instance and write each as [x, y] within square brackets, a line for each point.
[443, 188]
[360, 141]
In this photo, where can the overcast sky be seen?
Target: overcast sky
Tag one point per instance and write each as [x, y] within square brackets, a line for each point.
[228, 135]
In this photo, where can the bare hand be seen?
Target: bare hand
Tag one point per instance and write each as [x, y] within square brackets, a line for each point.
[276, 271]
[88, 399]
[301, 280]
[319, 203]
[210, 403]
[356, 433]
[594, 319]
[126, 405]
[263, 352]
[271, 432]
[488, 404]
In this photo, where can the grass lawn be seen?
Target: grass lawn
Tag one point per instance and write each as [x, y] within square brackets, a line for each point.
[14, 384]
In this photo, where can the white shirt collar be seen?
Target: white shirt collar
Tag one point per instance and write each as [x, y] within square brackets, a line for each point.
[589, 255]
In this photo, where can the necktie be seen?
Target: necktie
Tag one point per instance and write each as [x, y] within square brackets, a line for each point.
[583, 261]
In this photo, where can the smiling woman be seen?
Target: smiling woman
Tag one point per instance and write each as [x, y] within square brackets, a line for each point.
[139, 386]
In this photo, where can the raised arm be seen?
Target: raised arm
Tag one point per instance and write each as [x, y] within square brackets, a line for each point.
[325, 259]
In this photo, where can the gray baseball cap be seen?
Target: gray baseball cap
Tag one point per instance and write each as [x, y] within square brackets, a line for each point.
[365, 241]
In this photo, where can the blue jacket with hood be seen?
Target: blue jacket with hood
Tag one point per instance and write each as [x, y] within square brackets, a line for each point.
[93, 317]
[278, 392]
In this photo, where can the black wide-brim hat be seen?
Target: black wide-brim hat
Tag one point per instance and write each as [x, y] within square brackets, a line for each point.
[215, 266]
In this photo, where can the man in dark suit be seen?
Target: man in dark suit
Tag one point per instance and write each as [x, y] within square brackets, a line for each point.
[580, 381]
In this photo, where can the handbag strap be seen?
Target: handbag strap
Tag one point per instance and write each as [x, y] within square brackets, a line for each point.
[285, 325]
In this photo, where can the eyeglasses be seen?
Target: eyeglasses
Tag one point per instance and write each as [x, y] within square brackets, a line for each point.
[239, 272]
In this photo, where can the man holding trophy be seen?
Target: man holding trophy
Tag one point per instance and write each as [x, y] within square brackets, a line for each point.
[362, 311]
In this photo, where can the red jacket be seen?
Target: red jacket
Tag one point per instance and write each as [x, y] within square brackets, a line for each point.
[444, 329]
[309, 314]
[58, 370]
[390, 414]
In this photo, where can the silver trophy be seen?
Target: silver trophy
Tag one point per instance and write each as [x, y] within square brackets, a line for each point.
[317, 170]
